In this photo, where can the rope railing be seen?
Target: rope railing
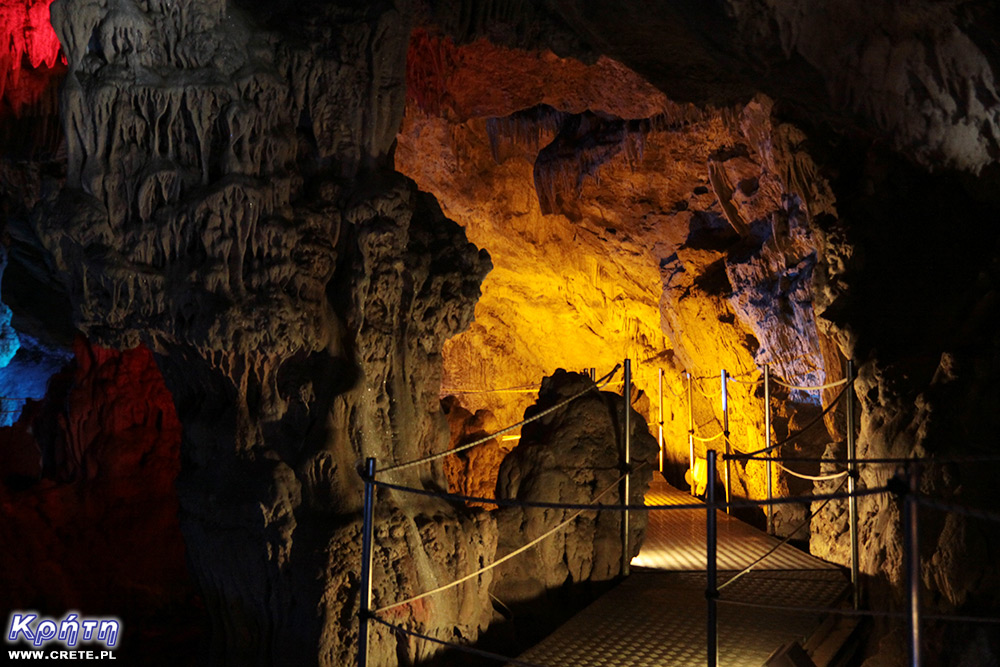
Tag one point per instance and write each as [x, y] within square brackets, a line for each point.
[599, 384]
[828, 385]
[458, 647]
[621, 507]
[814, 478]
[710, 439]
[538, 504]
[759, 381]
[712, 395]
[848, 477]
[959, 460]
[749, 568]
[794, 436]
[507, 557]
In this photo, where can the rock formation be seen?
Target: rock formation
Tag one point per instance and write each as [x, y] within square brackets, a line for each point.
[695, 186]
[574, 455]
[213, 210]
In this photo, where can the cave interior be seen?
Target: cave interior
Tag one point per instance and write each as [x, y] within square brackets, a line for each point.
[245, 245]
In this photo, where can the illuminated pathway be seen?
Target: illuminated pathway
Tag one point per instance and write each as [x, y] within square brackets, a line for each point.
[657, 616]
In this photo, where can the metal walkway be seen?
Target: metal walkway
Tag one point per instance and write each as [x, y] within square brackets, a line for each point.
[657, 616]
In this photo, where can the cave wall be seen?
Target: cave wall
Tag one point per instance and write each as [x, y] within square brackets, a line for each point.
[88, 472]
[228, 201]
[877, 156]
[227, 195]
[623, 224]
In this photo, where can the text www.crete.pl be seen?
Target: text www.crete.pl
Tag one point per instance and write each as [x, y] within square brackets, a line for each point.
[61, 655]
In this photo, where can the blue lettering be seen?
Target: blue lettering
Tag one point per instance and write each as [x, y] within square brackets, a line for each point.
[45, 631]
[19, 624]
[88, 630]
[108, 632]
[69, 630]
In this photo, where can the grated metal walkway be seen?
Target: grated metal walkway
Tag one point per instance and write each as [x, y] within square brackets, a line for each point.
[657, 616]
[675, 540]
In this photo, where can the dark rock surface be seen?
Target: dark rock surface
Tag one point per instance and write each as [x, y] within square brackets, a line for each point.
[574, 455]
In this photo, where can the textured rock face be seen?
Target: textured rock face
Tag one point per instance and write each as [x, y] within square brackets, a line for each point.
[804, 249]
[212, 210]
[609, 240]
[26, 34]
[574, 455]
[469, 471]
[106, 433]
[919, 73]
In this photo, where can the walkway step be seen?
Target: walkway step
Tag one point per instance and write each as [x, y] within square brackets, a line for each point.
[658, 615]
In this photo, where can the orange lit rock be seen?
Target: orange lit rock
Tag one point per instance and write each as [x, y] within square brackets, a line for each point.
[609, 240]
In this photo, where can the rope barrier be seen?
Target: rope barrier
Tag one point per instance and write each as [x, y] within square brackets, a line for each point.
[793, 436]
[714, 437]
[699, 378]
[785, 362]
[459, 647]
[739, 504]
[710, 396]
[895, 461]
[748, 382]
[508, 390]
[503, 559]
[434, 457]
[958, 509]
[828, 385]
[815, 478]
[780, 544]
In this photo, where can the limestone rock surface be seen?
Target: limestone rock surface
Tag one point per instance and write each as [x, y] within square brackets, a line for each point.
[574, 455]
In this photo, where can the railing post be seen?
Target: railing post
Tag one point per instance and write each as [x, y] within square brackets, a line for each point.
[661, 419]
[627, 393]
[913, 565]
[852, 481]
[767, 443]
[725, 430]
[691, 432]
[711, 589]
[367, 534]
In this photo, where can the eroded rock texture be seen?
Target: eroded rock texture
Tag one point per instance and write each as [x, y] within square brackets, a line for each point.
[919, 73]
[782, 242]
[88, 476]
[574, 455]
[685, 238]
[213, 209]
[692, 185]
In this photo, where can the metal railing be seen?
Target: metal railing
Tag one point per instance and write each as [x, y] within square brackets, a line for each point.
[904, 485]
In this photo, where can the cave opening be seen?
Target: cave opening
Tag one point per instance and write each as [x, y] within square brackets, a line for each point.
[620, 225]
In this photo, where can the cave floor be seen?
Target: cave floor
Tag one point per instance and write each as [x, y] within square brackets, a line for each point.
[657, 616]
